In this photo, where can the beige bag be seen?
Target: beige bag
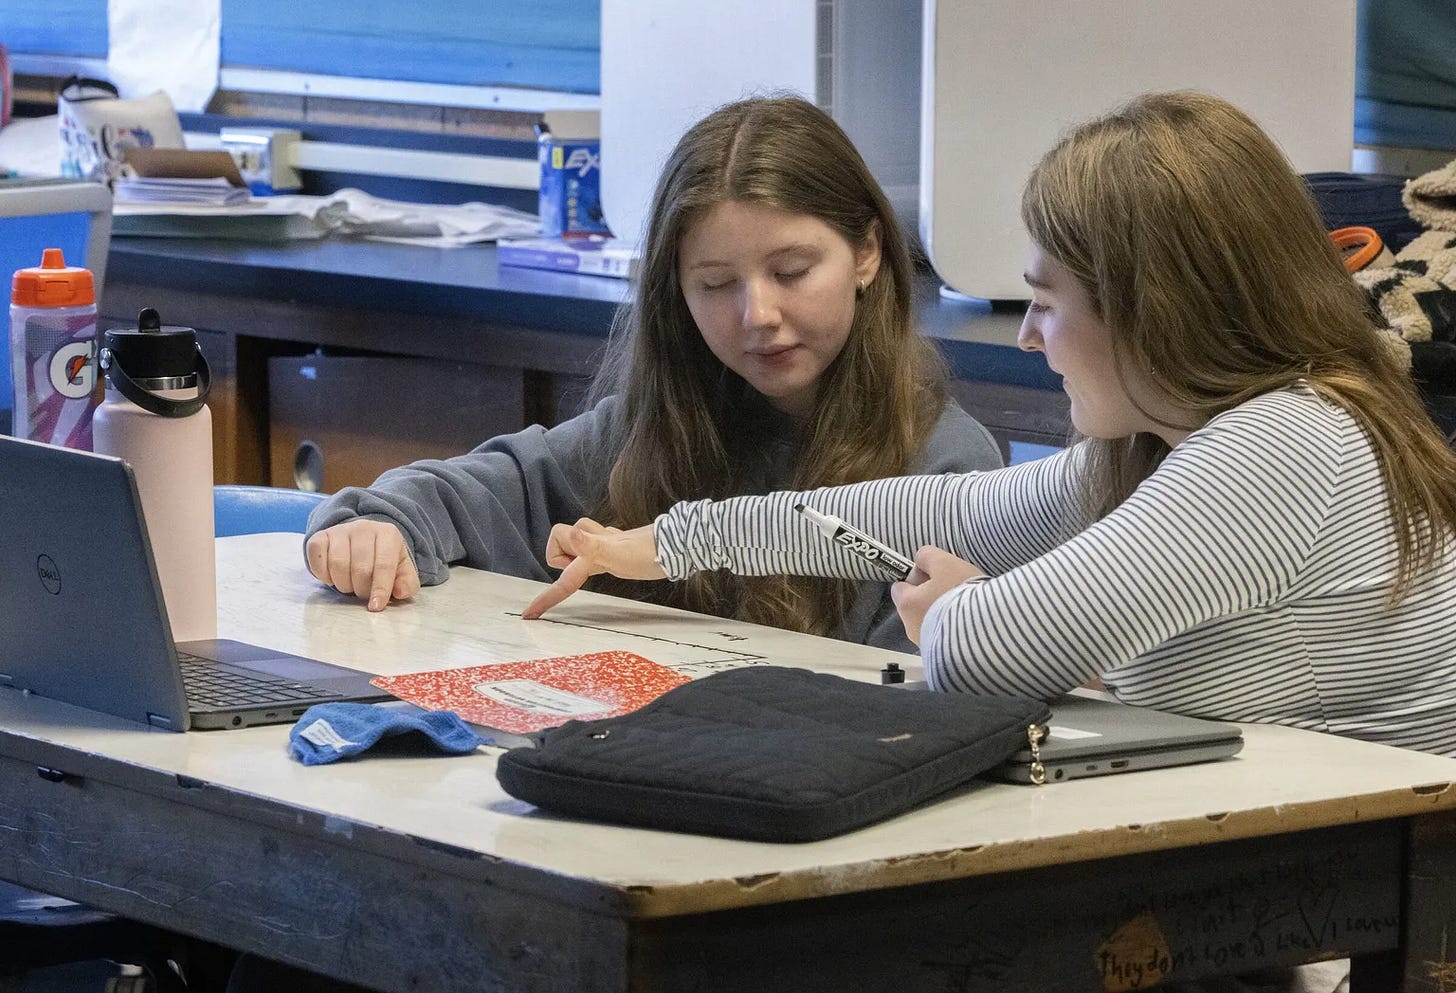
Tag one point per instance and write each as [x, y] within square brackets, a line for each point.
[97, 127]
[1431, 198]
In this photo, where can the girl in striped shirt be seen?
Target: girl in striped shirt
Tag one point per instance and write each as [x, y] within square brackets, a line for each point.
[1256, 522]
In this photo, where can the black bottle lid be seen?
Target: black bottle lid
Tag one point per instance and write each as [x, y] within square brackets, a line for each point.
[152, 350]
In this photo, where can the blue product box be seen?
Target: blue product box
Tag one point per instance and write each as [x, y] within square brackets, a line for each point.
[571, 198]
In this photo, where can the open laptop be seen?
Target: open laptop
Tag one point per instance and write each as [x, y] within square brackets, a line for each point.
[84, 620]
[1091, 734]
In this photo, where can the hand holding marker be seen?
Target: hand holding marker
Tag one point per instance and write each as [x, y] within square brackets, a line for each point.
[897, 566]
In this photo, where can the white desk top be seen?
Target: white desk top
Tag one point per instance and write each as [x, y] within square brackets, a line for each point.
[1283, 780]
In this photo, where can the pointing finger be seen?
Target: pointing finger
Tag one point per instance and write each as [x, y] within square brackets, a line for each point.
[571, 579]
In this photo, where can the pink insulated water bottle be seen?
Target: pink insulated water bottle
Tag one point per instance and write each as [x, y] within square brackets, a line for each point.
[53, 351]
[155, 416]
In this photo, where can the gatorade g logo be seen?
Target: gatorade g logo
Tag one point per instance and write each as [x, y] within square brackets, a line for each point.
[49, 573]
[72, 371]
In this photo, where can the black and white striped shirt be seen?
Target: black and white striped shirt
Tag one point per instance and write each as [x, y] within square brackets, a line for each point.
[1245, 580]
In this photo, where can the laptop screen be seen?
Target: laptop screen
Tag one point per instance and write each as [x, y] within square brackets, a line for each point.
[85, 622]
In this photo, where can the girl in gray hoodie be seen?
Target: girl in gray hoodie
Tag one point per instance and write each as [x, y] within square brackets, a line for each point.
[769, 346]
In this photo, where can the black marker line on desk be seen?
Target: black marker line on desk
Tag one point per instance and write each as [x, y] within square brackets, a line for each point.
[854, 540]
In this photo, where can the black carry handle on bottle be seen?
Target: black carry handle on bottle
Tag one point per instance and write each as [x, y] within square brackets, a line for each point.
[151, 321]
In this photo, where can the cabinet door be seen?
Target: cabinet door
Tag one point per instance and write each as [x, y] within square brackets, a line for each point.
[337, 421]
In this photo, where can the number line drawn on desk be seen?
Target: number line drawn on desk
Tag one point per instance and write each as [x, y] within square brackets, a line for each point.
[724, 659]
[700, 667]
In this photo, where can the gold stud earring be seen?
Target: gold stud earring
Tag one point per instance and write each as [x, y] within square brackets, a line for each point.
[861, 289]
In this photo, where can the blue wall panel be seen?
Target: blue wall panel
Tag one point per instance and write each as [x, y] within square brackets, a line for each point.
[548, 44]
[63, 27]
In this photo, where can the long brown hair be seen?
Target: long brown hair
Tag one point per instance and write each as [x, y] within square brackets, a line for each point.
[1205, 256]
[689, 418]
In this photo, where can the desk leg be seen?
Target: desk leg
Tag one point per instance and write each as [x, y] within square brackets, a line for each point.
[1429, 949]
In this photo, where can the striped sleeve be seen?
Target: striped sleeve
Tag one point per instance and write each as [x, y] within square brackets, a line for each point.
[998, 520]
[1223, 526]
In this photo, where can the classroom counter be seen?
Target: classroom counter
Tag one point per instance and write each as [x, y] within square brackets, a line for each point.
[335, 359]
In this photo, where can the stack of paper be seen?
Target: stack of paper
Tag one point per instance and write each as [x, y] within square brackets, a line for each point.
[158, 189]
[348, 212]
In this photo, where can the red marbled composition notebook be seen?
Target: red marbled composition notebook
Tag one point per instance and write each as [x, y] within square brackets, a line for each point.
[525, 697]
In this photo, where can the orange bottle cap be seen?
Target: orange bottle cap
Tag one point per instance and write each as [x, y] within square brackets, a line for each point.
[53, 284]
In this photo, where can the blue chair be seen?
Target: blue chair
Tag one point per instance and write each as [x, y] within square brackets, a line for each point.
[254, 509]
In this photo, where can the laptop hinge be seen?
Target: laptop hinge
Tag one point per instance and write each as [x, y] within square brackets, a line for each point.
[157, 721]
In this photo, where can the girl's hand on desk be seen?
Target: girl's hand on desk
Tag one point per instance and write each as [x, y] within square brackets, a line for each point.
[936, 571]
[365, 558]
[586, 548]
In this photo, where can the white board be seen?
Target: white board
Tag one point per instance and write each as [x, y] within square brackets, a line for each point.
[666, 63]
[1002, 79]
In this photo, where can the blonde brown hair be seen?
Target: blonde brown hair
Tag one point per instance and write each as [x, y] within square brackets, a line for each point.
[1204, 255]
[689, 419]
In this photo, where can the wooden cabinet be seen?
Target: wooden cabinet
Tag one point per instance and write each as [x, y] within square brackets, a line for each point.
[377, 355]
[336, 421]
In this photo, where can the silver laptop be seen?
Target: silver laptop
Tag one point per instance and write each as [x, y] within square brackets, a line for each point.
[84, 621]
[1094, 735]
[1091, 734]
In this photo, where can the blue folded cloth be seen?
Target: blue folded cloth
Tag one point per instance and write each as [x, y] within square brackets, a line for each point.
[330, 731]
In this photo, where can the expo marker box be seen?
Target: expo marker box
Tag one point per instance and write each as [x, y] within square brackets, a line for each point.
[571, 199]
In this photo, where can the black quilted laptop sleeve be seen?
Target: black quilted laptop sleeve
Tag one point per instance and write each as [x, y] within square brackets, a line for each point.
[770, 754]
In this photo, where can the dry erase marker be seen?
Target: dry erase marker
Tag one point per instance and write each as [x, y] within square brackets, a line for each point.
[856, 541]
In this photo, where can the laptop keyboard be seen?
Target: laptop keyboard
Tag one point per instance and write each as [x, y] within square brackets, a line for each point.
[211, 685]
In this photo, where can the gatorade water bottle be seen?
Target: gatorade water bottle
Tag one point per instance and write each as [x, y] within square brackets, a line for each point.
[53, 352]
[155, 416]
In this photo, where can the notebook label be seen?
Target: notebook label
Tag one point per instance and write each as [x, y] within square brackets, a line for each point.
[538, 698]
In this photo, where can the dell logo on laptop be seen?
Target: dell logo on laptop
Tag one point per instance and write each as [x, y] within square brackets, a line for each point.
[49, 573]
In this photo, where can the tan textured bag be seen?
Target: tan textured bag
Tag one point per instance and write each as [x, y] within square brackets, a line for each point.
[97, 127]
